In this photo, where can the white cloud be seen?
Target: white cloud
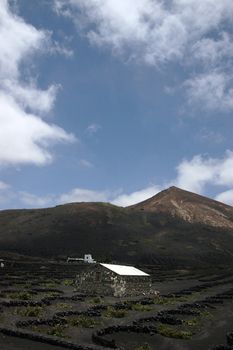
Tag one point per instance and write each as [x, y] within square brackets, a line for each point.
[83, 195]
[158, 32]
[195, 174]
[93, 129]
[4, 186]
[225, 197]
[29, 96]
[6, 193]
[210, 136]
[211, 51]
[35, 201]
[150, 30]
[212, 91]
[24, 136]
[20, 40]
[125, 200]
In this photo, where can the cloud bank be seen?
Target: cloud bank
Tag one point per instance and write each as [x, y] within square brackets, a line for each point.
[24, 136]
[194, 34]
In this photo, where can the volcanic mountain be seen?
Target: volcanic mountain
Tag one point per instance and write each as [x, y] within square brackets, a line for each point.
[174, 227]
[189, 207]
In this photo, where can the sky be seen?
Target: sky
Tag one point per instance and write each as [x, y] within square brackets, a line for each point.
[114, 100]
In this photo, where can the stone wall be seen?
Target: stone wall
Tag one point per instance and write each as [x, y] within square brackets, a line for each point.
[101, 281]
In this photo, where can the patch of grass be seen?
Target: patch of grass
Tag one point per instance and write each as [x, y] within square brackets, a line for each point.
[192, 323]
[188, 297]
[144, 347]
[171, 332]
[111, 312]
[63, 306]
[57, 331]
[36, 329]
[29, 311]
[68, 282]
[96, 300]
[141, 307]
[52, 294]
[206, 314]
[165, 300]
[83, 322]
[20, 295]
[49, 284]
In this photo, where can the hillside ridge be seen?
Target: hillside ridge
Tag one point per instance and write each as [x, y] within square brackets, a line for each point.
[172, 226]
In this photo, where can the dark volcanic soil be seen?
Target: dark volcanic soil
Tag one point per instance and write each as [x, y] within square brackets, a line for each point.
[40, 300]
[11, 343]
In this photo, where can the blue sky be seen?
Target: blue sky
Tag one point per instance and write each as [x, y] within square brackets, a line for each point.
[110, 100]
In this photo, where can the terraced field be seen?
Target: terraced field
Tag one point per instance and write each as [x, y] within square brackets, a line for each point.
[40, 309]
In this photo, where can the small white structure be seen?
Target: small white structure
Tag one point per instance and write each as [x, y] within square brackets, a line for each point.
[87, 259]
[2, 263]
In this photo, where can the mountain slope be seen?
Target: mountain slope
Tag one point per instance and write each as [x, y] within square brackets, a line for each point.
[189, 207]
[173, 227]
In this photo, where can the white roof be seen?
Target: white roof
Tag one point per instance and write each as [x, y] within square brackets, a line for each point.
[125, 270]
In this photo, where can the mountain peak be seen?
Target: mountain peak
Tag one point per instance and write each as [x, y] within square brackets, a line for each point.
[190, 207]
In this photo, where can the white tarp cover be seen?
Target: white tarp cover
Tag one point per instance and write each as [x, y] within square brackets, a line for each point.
[125, 270]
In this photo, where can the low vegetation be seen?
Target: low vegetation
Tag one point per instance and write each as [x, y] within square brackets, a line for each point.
[63, 306]
[140, 307]
[192, 323]
[68, 282]
[57, 331]
[29, 311]
[170, 332]
[144, 347]
[20, 295]
[96, 300]
[116, 313]
[83, 322]
[52, 294]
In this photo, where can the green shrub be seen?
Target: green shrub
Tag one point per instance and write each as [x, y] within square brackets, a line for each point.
[170, 332]
[20, 295]
[57, 330]
[83, 322]
[192, 323]
[63, 306]
[49, 284]
[29, 311]
[117, 313]
[68, 282]
[140, 307]
[144, 347]
[96, 300]
[52, 294]
[206, 314]
[165, 300]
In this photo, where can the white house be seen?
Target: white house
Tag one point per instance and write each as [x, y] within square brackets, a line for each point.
[87, 259]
